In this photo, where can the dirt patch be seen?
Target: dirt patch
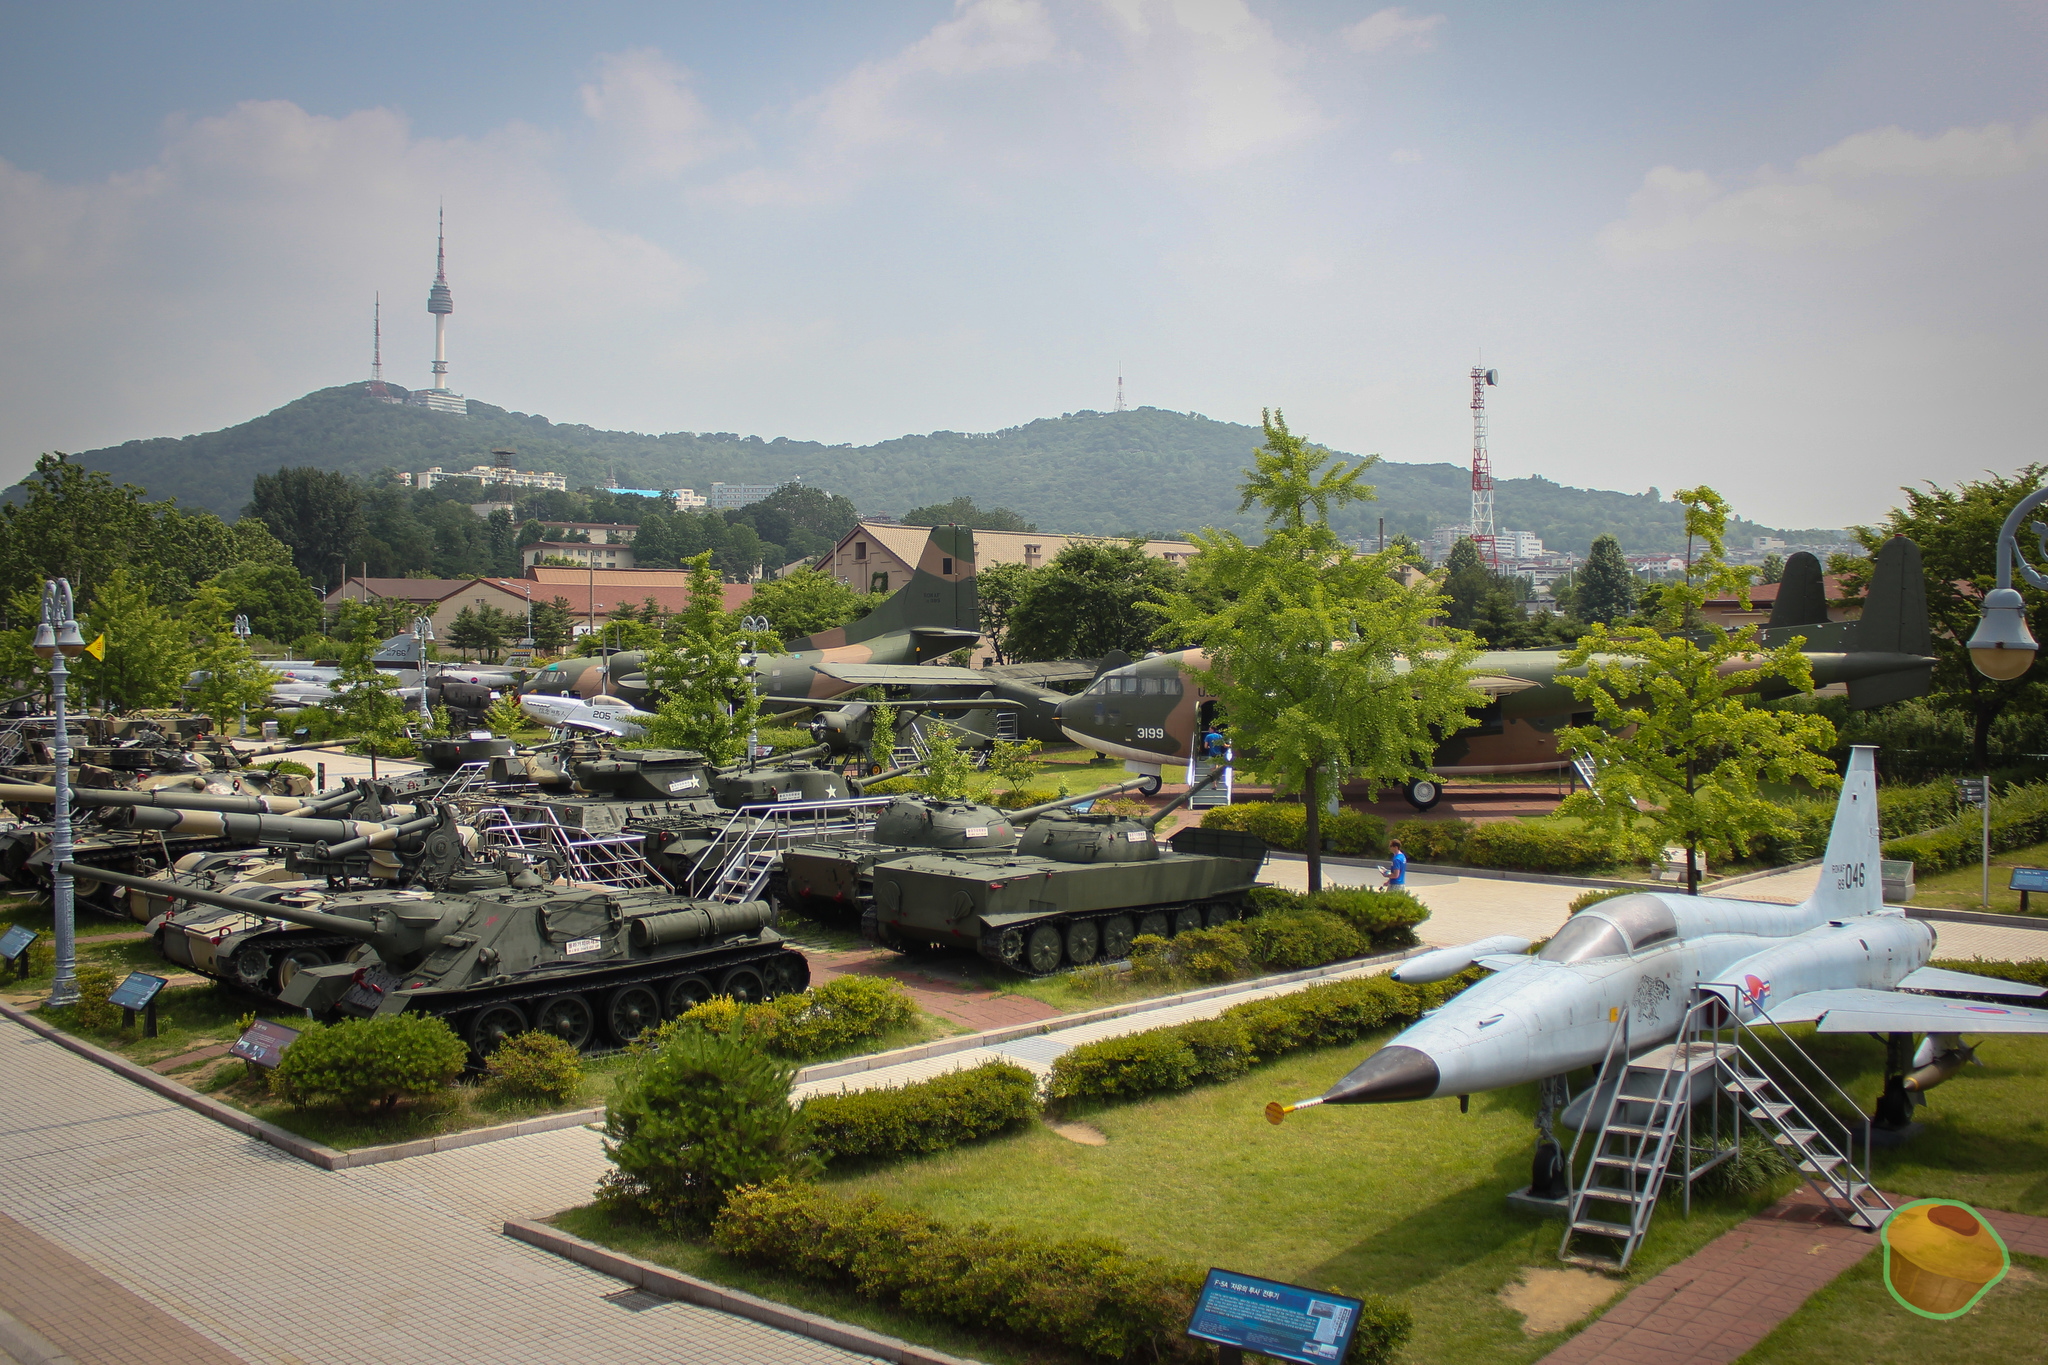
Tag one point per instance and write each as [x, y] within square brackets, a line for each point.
[1086, 1134]
[1552, 1300]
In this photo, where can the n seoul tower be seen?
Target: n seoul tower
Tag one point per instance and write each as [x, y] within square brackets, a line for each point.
[440, 303]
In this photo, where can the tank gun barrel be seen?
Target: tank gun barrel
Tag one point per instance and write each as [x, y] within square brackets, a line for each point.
[262, 829]
[380, 836]
[287, 747]
[1033, 812]
[40, 794]
[291, 914]
[814, 751]
[861, 784]
[1152, 821]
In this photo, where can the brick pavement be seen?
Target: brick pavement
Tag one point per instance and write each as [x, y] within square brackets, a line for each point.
[1726, 1297]
[944, 994]
[86, 1315]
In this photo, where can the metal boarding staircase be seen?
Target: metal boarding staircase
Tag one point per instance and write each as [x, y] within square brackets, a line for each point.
[746, 851]
[1648, 1115]
[616, 860]
[468, 778]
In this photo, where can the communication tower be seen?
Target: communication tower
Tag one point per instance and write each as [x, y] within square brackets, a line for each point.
[377, 389]
[1482, 471]
[440, 303]
[1119, 388]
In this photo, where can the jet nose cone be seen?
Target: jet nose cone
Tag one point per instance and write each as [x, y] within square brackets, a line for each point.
[1392, 1073]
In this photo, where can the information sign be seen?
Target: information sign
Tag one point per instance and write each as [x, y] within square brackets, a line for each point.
[2023, 879]
[15, 941]
[136, 992]
[1970, 790]
[1284, 1321]
[264, 1043]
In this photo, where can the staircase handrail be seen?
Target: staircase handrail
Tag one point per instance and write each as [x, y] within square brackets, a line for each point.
[1620, 1035]
[1847, 1150]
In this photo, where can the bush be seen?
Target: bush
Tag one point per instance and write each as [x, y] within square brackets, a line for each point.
[2019, 817]
[285, 767]
[1284, 824]
[1433, 841]
[1904, 810]
[1519, 846]
[1593, 897]
[1754, 1168]
[928, 1116]
[1290, 942]
[695, 1119]
[363, 1063]
[1265, 900]
[1200, 956]
[536, 1066]
[96, 981]
[1133, 1064]
[1388, 917]
[1087, 1295]
[805, 1024]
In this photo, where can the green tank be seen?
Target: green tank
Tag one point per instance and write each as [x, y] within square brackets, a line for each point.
[1076, 889]
[495, 952]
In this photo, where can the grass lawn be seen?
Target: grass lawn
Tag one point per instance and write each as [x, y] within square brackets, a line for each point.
[1856, 1321]
[1963, 888]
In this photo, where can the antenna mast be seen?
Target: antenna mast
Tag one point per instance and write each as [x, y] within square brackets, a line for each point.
[377, 347]
[1483, 536]
[1119, 387]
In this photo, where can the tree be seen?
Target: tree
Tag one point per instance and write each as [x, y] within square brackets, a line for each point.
[1326, 665]
[998, 590]
[234, 679]
[317, 514]
[948, 770]
[1087, 602]
[1680, 745]
[277, 599]
[738, 556]
[708, 702]
[149, 654]
[1774, 568]
[961, 511]
[478, 629]
[553, 623]
[805, 602]
[365, 709]
[1605, 590]
[882, 740]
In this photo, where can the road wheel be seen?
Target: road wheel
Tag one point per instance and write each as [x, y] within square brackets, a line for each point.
[1155, 922]
[296, 960]
[1424, 792]
[743, 984]
[685, 993]
[1219, 913]
[1010, 947]
[567, 1017]
[1043, 948]
[787, 974]
[1083, 941]
[1187, 919]
[492, 1025]
[631, 1011]
[250, 967]
[1117, 932]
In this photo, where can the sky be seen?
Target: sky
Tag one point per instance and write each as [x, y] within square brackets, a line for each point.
[1789, 250]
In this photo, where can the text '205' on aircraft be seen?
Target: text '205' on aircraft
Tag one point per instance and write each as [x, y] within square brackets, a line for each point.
[929, 617]
[599, 715]
[1152, 712]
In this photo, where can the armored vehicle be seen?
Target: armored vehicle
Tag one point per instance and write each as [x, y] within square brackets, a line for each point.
[1076, 889]
[496, 951]
[836, 877]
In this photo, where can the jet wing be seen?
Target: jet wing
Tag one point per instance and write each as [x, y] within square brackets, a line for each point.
[1968, 983]
[1064, 670]
[1870, 1011]
[902, 675]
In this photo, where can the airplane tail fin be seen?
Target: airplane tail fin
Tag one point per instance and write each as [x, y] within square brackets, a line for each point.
[1802, 597]
[1894, 621]
[938, 606]
[1851, 877]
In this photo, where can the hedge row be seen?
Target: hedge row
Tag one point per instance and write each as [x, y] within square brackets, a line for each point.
[808, 1023]
[1284, 824]
[2019, 817]
[1289, 933]
[928, 1116]
[1180, 1055]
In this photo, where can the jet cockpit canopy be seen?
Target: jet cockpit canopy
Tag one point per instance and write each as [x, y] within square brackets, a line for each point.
[1613, 929]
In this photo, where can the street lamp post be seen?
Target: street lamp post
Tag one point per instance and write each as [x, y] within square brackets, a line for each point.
[242, 633]
[57, 639]
[2003, 648]
[422, 631]
[759, 625]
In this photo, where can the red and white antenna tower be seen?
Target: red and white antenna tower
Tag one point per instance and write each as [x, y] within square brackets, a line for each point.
[1119, 388]
[1482, 471]
[377, 389]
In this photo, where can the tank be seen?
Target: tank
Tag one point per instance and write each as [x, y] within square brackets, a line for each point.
[1075, 890]
[496, 951]
[835, 878]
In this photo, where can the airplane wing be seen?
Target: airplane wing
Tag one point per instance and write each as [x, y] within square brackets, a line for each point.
[1871, 1011]
[1063, 670]
[1969, 983]
[902, 675]
[1499, 684]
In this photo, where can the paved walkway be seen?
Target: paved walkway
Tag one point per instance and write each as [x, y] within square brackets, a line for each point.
[939, 982]
[1726, 1297]
[1461, 909]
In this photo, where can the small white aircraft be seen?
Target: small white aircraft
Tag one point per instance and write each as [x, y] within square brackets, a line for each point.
[603, 715]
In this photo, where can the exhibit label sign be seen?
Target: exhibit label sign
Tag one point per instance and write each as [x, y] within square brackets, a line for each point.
[1284, 1321]
[136, 992]
[264, 1043]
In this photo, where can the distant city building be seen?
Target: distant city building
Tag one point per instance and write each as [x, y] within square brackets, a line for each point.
[683, 498]
[1764, 545]
[727, 496]
[880, 556]
[488, 475]
[591, 554]
[440, 303]
[1509, 545]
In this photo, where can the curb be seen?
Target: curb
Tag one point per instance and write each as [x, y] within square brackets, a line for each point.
[1488, 873]
[673, 1284]
[1976, 917]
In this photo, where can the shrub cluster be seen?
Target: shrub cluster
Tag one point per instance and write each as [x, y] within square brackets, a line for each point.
[928, 1116]
[1087, 1295]
[1755, 1167]
[536, 1066]
[1180, 1055]
[2019, 817]
[359, 1064]
[1519, 846]
[1433, 841]
[96, 981]
[805, 1024]
[1387, 917]
[1290, 932]
[1284, 824]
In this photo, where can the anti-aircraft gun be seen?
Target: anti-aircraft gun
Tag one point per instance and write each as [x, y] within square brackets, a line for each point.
[834, 878]
[496, 951]
[1076, 889]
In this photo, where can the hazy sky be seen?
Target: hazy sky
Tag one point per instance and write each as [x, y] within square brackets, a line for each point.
[1791, 250]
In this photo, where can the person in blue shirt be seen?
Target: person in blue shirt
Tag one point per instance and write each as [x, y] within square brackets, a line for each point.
[1397, 871]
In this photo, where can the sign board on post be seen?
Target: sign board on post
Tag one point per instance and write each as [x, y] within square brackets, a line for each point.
[1285, 1321]
[138, 992]
[263, 1043]
[2028, 879]
[14, 946]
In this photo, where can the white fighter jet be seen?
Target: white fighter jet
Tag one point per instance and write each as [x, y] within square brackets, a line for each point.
[1842, 960]
[600, 715]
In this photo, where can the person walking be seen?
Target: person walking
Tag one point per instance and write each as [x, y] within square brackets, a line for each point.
[1397, 870]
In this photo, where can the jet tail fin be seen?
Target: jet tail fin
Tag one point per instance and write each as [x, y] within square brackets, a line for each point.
[1851, 879]
[1802, 597]
[937, 606]
[1894, 621]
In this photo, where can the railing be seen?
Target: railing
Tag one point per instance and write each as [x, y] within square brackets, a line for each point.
[1819, 1102]
[1571, 1161]
[773, 827]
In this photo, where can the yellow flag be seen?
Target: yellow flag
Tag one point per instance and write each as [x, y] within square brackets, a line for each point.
[98, 648]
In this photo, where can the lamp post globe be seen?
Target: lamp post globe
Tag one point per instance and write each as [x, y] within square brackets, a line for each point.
[2002, 647]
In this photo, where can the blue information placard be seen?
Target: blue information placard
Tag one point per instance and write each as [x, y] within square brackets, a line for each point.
[1280, 1320]
[15, 941]
[2029, 879]
[136, 992]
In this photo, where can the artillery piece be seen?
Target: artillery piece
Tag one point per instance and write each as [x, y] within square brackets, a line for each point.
[1076, 889]
[496, 951]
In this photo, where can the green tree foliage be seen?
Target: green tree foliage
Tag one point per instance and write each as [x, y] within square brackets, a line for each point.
[882, 740]
[1605, 590]
[805, 602]
[1327, 666]
[149, 654]
[363, 1064]
[999, 589]
[367, 711]
[1773, 569]
[279, 602]
[503, 718]
[948, 771]
[961, 511]
[484, 630]
[553, 622]
[1683, 751]
[236, 681]
[317, 514]
[1088, 601]
[708, 698]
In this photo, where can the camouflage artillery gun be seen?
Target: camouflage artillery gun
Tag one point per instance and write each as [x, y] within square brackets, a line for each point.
[836, 877]
[1077, 889]
[496, 952]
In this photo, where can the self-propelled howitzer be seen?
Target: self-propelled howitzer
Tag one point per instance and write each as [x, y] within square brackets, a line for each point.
[1077, 889]
[497, 952]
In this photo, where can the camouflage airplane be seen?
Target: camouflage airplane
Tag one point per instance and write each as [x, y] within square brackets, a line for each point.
[932, 615]
[1151, 713]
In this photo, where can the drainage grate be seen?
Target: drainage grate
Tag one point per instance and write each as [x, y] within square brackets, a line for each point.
[635, 1300]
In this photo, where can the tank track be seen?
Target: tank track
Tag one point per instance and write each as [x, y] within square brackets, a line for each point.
[1084, 940]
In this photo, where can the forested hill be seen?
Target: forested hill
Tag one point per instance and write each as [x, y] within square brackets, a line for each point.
[1143, 471]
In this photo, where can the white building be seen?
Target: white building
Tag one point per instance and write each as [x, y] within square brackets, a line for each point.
[488, 475]
[727, 496]
[683, 498]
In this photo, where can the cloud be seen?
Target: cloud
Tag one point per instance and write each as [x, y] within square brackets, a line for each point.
[657, 124]
[876, 101]
[1864, 189]
[1405, 156]
[1391, 28]
[1210, 84]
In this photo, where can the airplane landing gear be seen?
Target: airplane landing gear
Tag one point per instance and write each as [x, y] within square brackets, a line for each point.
[1424, 792]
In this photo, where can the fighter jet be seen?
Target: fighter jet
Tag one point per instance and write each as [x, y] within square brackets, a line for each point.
[599, 715]
[1841, 960]
[1151, 713]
